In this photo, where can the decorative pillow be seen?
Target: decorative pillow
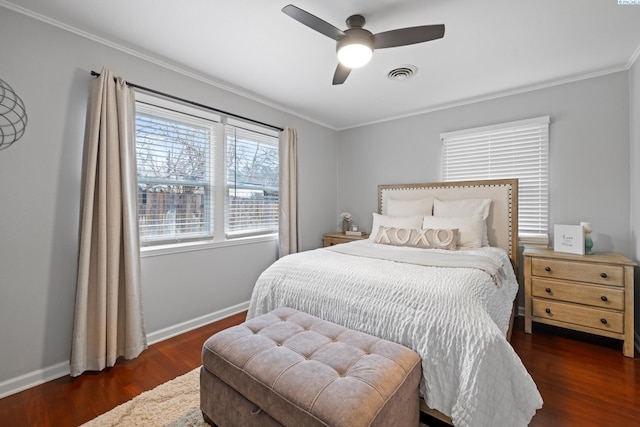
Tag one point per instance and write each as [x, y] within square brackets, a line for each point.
[465, 208]
[427, 238]
[404, 207]
[394, 221]
[470, 228]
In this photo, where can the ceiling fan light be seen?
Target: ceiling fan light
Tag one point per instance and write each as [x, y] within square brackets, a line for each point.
[354, 55]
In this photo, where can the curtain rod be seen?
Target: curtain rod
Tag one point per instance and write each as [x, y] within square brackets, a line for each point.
[226, 113]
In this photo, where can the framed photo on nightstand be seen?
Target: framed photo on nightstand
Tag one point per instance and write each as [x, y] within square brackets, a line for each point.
[568, 238]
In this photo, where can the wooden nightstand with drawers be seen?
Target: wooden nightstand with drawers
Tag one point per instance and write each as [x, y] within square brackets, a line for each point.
[587, 293]
[331, 239]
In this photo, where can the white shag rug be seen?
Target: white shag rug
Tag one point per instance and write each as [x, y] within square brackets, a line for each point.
[175, 403]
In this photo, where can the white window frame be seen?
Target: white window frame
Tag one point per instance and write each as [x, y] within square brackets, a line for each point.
[218, 238]
[262, 136]
[497, 152]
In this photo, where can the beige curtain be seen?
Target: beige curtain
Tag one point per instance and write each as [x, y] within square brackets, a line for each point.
[288, 219]
[108, 319]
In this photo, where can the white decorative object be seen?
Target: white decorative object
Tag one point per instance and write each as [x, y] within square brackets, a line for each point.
[346, 221]
[588, 242]
[568, 238]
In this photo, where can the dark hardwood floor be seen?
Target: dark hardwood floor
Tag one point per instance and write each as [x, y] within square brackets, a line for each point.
[73, 401]
[584, 380]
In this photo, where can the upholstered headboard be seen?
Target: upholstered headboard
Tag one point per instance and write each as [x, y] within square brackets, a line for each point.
[502, 223]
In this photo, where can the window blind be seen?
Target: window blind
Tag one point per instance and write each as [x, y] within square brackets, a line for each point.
[202, 176]
[510, 150]
[173, 156]
[252, 168]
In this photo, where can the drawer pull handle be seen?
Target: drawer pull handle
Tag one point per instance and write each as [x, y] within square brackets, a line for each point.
[603, 275]
[547, 269]
[548, 310]
[548, 290]
[603, 321]
[604, 298]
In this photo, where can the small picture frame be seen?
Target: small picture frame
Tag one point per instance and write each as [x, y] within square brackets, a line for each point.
[568, 238]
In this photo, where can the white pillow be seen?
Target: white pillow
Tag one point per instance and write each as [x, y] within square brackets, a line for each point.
[470, 228]
[465, 208]
[426, 238]
[394, 221]
[406, 207]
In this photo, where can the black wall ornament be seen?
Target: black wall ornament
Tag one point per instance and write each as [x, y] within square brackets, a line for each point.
[13, 116]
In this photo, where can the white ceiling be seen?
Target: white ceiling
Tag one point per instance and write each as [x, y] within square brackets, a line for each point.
[490, 48]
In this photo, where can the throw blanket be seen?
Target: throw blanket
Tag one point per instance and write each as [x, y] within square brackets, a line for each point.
[433, 258]
[454, 318]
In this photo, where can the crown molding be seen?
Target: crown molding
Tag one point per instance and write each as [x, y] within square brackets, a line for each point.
[271, 104]
[156, 61]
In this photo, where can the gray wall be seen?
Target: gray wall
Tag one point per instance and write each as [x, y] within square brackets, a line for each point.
[594, 177]
[40, 187]
[634, 159]
[589, 152]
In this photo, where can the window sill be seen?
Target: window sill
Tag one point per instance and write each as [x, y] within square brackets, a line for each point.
[175, 248]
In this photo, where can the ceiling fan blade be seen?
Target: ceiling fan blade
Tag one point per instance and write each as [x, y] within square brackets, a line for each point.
[341, 74]
[313, 22]
[406, 36]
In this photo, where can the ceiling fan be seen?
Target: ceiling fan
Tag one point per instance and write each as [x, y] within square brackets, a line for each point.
[355, 45]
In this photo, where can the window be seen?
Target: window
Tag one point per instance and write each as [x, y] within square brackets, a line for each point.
[251, 181]
[202, 176]
[509, 150]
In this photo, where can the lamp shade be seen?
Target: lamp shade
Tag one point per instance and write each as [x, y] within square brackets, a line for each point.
[355, 50]
[354, 55]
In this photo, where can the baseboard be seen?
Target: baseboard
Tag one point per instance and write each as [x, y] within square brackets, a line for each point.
[32, 379]
[41, 376]
[190, 325]
[521, 311]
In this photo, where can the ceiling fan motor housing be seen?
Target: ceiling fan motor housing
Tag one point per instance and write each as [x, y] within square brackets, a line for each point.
[355, 21]
[355, 48]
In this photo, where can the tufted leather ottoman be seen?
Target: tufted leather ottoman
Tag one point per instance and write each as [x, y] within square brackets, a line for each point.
[290, 368]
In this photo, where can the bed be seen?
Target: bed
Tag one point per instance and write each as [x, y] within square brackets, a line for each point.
[450, 302]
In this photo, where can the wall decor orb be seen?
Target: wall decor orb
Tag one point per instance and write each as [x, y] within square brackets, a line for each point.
[13, 116]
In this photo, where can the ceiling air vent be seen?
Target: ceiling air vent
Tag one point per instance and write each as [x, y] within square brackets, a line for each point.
[402, 73]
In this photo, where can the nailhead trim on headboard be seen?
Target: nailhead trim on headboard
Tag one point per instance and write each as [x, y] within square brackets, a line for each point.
[510, 184]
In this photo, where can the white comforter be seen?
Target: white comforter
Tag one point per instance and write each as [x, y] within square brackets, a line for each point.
[455, 318]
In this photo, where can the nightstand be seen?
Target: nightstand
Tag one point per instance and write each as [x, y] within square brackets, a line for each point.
[331, 239]
[587, 293]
